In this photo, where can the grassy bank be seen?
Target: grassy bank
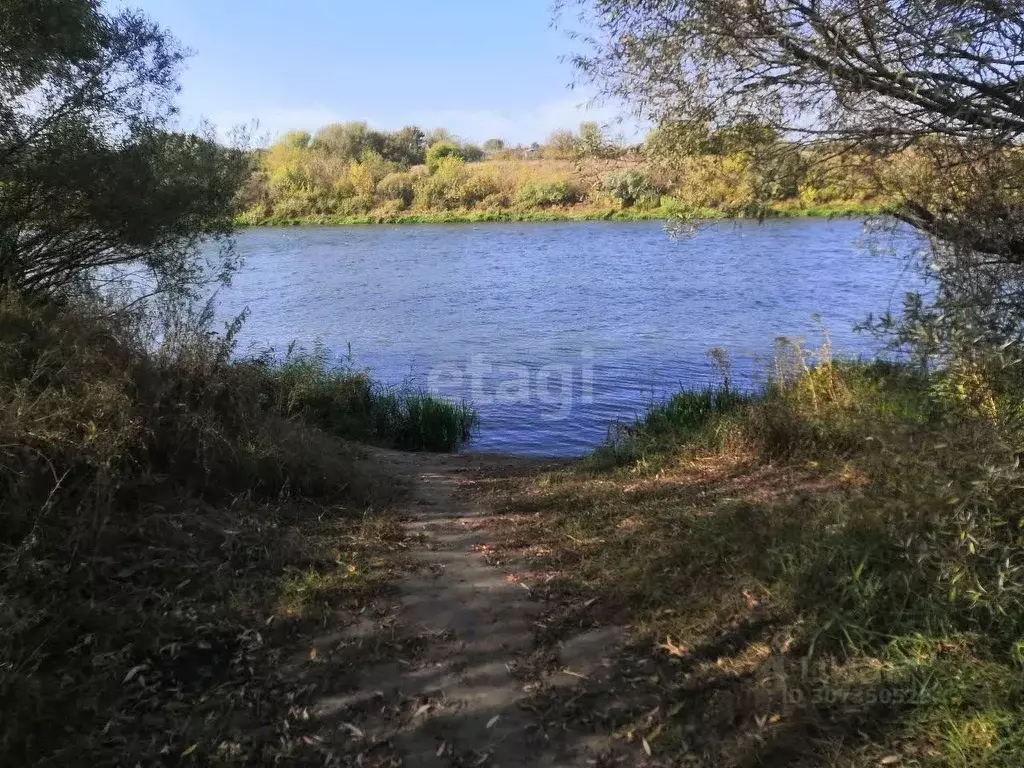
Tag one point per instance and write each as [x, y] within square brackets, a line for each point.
[178, 528]
[351, 173]
[348, 404]
[571, 213]
[824, 573]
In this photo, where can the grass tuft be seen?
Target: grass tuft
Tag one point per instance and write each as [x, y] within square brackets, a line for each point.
[346, 403]
[417, 421]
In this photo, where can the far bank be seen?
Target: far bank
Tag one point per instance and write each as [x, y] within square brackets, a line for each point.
[573, 213]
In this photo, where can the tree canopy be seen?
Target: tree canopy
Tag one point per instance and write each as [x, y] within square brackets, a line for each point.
[943, 77]
[91, 173]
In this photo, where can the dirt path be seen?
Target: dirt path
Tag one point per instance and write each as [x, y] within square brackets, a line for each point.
[459, 696]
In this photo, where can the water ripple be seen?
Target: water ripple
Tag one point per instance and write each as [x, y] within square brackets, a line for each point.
[556, 330]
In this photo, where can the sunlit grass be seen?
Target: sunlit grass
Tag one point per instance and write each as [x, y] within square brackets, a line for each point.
[837, 551]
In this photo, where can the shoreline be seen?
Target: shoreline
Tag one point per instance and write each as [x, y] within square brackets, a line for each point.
[554, 215]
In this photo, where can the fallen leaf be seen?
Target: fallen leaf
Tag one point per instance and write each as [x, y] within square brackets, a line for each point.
[133, 672]
[355, 731]
[647, 747]
[672, 648]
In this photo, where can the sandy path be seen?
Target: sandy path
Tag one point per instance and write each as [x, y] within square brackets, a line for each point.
[458, 701]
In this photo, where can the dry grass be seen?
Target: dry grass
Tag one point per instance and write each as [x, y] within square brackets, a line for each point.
[797, 592]
[172, 543]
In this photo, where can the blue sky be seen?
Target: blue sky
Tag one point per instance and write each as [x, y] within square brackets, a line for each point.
[480, 68]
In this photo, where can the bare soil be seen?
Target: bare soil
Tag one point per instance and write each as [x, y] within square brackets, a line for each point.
[477, 680]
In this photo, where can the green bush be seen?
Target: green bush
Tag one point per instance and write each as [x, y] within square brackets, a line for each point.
[353, 206]
[496, 201]
[292, 208]
[440, 151]
[629, 188]
[471, 153]
[687, 417]
[480, 186]
[417, 421]
[547, 193]
[445, 187]
[592, 142]
[560, 145]
[397, 186]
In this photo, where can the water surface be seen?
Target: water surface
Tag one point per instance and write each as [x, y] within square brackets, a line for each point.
[554, 331]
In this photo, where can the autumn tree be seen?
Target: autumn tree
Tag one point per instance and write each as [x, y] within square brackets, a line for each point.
[934, 89]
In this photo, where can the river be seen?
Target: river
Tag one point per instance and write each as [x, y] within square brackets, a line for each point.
[555, 331]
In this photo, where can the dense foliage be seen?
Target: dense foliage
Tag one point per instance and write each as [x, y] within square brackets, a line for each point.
[746, 171]
[90, 175]
[944, 77]
[932, 91]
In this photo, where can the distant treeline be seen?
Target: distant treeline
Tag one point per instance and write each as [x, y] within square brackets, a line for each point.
[351, 170]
